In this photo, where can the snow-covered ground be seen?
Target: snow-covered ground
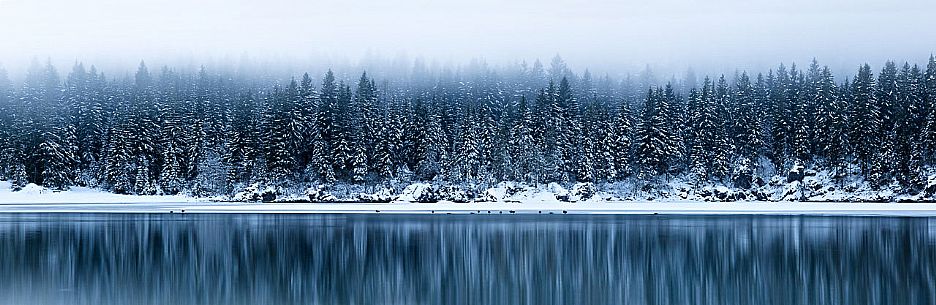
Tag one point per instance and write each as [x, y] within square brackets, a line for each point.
[697, 208]
[34, 194]
[36, 199]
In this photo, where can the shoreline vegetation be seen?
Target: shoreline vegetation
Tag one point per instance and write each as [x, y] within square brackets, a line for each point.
[524, 133]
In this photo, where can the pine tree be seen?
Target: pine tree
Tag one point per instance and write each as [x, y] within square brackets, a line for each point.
[708, 155]
[58, 150]
[620, 139]
[864, 130]
[366, 98]
[280, 129]
[887, 105]
[430, 138]
[780, 116]
[802, 122]
[907, 126]
[119, 167]
[343, 137]
[7, 115]
[929, 96]
[830, 121]
[649, 140]
[569, 131]
[746, 130]
[523, 147]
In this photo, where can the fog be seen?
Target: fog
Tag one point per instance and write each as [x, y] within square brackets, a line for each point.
[603, 35]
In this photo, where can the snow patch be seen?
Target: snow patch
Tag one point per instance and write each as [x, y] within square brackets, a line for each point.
[32, 193]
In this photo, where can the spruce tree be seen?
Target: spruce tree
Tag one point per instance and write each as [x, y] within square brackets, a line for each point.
[830, 121]
[746, 131]
[864, 130]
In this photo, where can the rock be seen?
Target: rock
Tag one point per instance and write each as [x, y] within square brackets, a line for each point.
[742, 181]
[513, 189]
[814, 185]
[930, 189]
[705, 194]
[797, 173]
[454, 194]
[564, 197]
[419, 192]
[250, 193]
[269, 194]
[384, 195]
[647, 187]
[489, 195]
[583, 191]
[760, 196]
[792, 192]
[722, 193]
[759, 182]
[319, 194]
[427, 195]
[776, 180]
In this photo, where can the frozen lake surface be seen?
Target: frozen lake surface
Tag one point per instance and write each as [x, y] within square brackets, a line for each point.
[75, 258]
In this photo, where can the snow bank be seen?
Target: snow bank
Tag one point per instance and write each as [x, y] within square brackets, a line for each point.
[796, 184]
[506, 198]
[505, 208]
[32, 193]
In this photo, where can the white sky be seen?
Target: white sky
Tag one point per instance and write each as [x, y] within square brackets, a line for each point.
[713, 34]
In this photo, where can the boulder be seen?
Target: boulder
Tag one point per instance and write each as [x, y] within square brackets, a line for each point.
[583, 191]
[792, 192]
[454, 194]
[383, 195]
[797, 173]
[743, 180]
[250, 193]
[419, 192]
[320, 194]
[929, 191]
[269, 194]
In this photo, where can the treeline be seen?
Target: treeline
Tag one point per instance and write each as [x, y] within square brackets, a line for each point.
[207, 133]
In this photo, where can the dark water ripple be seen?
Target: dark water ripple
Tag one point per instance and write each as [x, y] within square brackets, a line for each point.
[464, 259]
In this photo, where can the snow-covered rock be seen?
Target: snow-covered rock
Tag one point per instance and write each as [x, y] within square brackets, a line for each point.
[492, 195]
[796, 173]
[383, 195]
[418, 192]
[929, 191]
[792, 192]
[583, 191]
[320, 194]
[453, 193]
[269, 194]
[33, 189]
[250, 193]
[501, 191]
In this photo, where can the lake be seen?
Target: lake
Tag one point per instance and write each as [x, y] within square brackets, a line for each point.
[464, 259]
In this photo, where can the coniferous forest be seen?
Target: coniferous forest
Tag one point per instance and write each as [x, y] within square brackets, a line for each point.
[207, 133]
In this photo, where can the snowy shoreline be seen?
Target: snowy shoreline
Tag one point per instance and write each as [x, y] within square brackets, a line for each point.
[33, 199]
[444, 208]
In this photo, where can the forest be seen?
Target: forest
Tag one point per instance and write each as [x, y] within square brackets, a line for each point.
[210, 133]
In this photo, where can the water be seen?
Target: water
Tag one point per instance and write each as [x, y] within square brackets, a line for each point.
[464, 259]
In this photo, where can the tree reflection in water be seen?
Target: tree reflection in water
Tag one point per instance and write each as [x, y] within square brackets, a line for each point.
[464, 259]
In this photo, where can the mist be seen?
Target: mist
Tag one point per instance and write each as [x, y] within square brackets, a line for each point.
[715, 36]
